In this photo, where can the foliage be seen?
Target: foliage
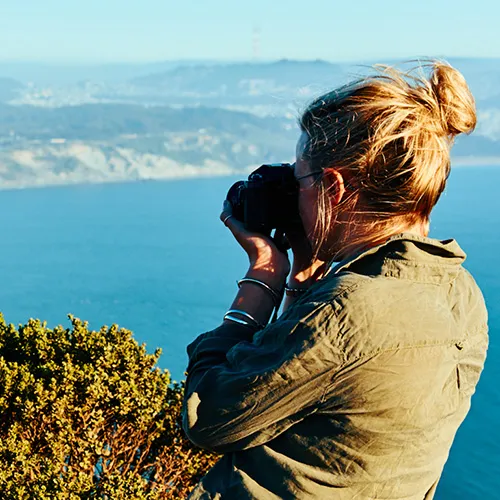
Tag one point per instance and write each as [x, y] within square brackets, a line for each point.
[86, 414]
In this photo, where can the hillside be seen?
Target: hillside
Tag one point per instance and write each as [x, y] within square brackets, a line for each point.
[105, 121]
[170, 120]
[9, 89]
[104, 143]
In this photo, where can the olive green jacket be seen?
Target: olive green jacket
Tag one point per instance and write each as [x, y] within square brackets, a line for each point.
[356, 392]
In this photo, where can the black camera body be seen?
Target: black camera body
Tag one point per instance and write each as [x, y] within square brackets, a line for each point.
[267, 200]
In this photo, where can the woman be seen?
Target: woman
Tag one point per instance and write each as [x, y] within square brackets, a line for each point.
[358, 389]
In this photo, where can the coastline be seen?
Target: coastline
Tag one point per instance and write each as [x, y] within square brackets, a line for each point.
[186, 172]
[475, 161]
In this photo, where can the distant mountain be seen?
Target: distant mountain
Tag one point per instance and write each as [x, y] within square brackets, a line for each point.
[70, 74]
[483, 77]
[273, 88]
[106, 121]
[477, 147]
[211, 78]
[104, 143]
[189, 120]
[245, 83]
[9, 89]
[292, 79]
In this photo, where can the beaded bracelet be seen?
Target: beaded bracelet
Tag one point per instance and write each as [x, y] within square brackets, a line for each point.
[294, 292]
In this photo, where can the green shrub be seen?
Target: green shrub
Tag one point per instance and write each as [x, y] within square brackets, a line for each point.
[86, 414]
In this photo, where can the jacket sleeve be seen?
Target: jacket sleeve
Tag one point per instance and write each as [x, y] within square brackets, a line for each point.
[243, 390]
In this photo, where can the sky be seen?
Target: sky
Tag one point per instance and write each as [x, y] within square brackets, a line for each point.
[99, 31]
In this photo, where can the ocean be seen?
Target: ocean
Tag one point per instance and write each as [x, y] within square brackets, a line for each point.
[154, 258]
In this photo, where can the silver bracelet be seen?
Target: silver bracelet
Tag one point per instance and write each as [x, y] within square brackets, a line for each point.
[234, 319]
[238, 312]
[275, 295]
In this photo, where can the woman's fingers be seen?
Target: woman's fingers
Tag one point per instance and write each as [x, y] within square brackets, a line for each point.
[241, 234]
[281, 240]
[229, 220]
[227, 212]
[255, 245]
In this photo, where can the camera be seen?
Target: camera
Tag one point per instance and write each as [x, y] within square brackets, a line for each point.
[267, 200]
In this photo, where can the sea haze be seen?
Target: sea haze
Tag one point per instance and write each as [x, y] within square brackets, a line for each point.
[154, 258]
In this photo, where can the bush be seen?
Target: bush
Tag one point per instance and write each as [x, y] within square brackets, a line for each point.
[86, 414]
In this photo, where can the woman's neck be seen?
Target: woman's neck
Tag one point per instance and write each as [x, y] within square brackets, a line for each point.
[361, 238]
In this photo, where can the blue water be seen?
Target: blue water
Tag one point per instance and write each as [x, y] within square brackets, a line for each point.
[154, 258]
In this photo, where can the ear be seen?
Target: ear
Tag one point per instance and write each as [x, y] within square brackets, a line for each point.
[334, 183]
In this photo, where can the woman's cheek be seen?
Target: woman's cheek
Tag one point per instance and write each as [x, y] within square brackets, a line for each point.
[308, 211]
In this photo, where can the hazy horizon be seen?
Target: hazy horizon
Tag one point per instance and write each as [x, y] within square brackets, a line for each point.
[195, 60]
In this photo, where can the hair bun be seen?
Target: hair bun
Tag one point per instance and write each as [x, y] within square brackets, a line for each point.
[458, 109]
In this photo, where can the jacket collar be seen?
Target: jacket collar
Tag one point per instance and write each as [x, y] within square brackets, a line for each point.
[406, 250]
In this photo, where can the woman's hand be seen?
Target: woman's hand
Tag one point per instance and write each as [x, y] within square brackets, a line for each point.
[306, 269]
[305, 266]
[300, 246]
[267, 262]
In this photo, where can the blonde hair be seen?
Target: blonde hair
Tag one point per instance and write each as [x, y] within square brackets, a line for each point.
[390, 136]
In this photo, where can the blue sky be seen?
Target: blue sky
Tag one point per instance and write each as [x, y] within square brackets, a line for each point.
[83, 31]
